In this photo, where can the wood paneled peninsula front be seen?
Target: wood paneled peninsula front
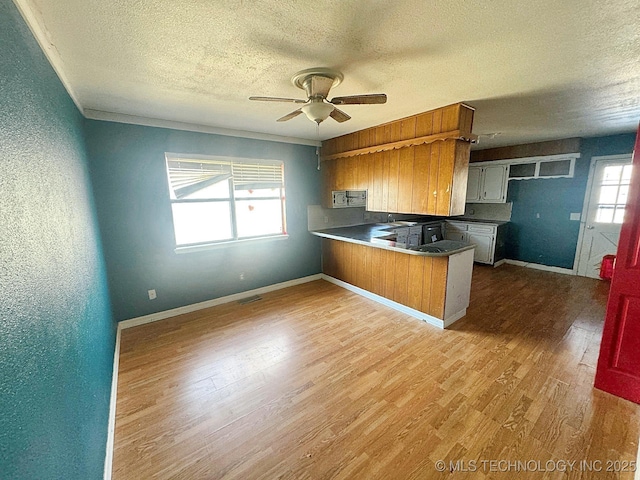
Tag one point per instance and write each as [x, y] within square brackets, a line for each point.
[432, 286]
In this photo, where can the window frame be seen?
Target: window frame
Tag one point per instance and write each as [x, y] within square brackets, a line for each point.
[537, 161]
[615, 206]
[231, 200]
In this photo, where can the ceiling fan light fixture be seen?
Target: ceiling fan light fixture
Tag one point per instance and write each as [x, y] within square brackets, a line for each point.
[317, 82]
[317, 111]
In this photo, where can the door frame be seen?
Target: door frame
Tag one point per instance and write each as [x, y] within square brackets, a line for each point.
[587, 197]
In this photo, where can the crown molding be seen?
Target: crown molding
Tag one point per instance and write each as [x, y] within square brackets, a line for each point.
[35, 23]
[192, 127]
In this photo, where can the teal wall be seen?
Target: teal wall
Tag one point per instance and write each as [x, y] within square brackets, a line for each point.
[56, 331]
[132, 196]
[552, 239]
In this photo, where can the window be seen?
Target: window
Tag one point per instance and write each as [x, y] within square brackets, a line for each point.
[555, 168]
[614, 189]
[522, 170]
[216, 199]
[542, 167]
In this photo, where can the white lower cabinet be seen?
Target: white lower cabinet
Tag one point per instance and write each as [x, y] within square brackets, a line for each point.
[485, 244]
[483, 235]
[455, 231]
[457, 235]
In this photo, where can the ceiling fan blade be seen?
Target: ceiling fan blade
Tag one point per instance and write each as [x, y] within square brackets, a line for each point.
[291, 115]
[319, 85]
[277, 99]
[360, 99]
[339, 116]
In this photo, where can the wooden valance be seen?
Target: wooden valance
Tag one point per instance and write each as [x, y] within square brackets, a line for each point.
[411, 142]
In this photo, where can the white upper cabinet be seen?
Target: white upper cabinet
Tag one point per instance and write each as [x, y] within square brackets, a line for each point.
[488, 181]
[473, 184]
[495, 183]
[487, 184]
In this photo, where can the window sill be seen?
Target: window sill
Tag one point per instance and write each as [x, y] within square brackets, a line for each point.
[215, 246]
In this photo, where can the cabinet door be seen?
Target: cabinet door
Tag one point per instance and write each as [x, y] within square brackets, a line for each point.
[484, 247]
[494, 183]
[455, 234]
[473, 184]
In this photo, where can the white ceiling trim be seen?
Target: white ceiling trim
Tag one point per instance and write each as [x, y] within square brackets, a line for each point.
[535, 71]
[36, 25]
[192, 127]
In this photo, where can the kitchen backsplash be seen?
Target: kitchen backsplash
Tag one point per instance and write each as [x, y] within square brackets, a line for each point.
[489, 211]
[322, 218]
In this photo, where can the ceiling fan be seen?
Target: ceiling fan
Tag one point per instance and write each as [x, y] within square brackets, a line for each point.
[317, 82]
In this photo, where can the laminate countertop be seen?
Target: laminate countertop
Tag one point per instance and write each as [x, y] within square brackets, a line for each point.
[372, 235]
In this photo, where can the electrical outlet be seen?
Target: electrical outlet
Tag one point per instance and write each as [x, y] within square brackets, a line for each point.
[574, 216]
[326, 219]
[152, 295]
[242, 276]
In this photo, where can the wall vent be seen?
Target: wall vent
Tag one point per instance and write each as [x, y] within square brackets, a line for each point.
[251, 299]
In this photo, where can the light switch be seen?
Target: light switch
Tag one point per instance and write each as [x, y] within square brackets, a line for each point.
[575, 216]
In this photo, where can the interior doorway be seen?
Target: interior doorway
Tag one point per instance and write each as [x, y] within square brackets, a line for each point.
[603, 211]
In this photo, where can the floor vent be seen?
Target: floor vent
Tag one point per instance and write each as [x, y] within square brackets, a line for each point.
[251, 299]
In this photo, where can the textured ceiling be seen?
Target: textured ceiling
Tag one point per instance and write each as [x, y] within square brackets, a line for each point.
[534, 70]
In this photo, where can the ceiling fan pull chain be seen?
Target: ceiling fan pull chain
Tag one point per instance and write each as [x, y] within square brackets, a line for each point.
[318, 147]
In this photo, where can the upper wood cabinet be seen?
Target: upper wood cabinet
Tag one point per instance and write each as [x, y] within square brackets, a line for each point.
[417, 164]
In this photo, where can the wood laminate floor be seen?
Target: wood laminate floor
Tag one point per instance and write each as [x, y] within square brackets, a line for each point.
[317, 382]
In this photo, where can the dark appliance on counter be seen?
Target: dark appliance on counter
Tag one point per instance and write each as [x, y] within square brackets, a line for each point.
[432, 233]
[409, 236]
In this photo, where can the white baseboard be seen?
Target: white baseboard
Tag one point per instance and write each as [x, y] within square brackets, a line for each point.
[154, 317]
[111, 429]
[456, 316]
[436, 322]
[499, 262]
[538, 266]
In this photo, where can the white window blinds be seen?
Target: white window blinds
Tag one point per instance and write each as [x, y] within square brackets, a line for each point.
[188, 176]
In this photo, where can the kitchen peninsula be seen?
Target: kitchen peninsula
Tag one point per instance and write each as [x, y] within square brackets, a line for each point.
[415, 165]
[431, 283]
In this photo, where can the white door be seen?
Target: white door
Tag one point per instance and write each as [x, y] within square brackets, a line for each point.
[484, 247]
[606, 200]
[494, 181]
[473, 184]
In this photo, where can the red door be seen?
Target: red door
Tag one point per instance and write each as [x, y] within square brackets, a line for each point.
[619, 362]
